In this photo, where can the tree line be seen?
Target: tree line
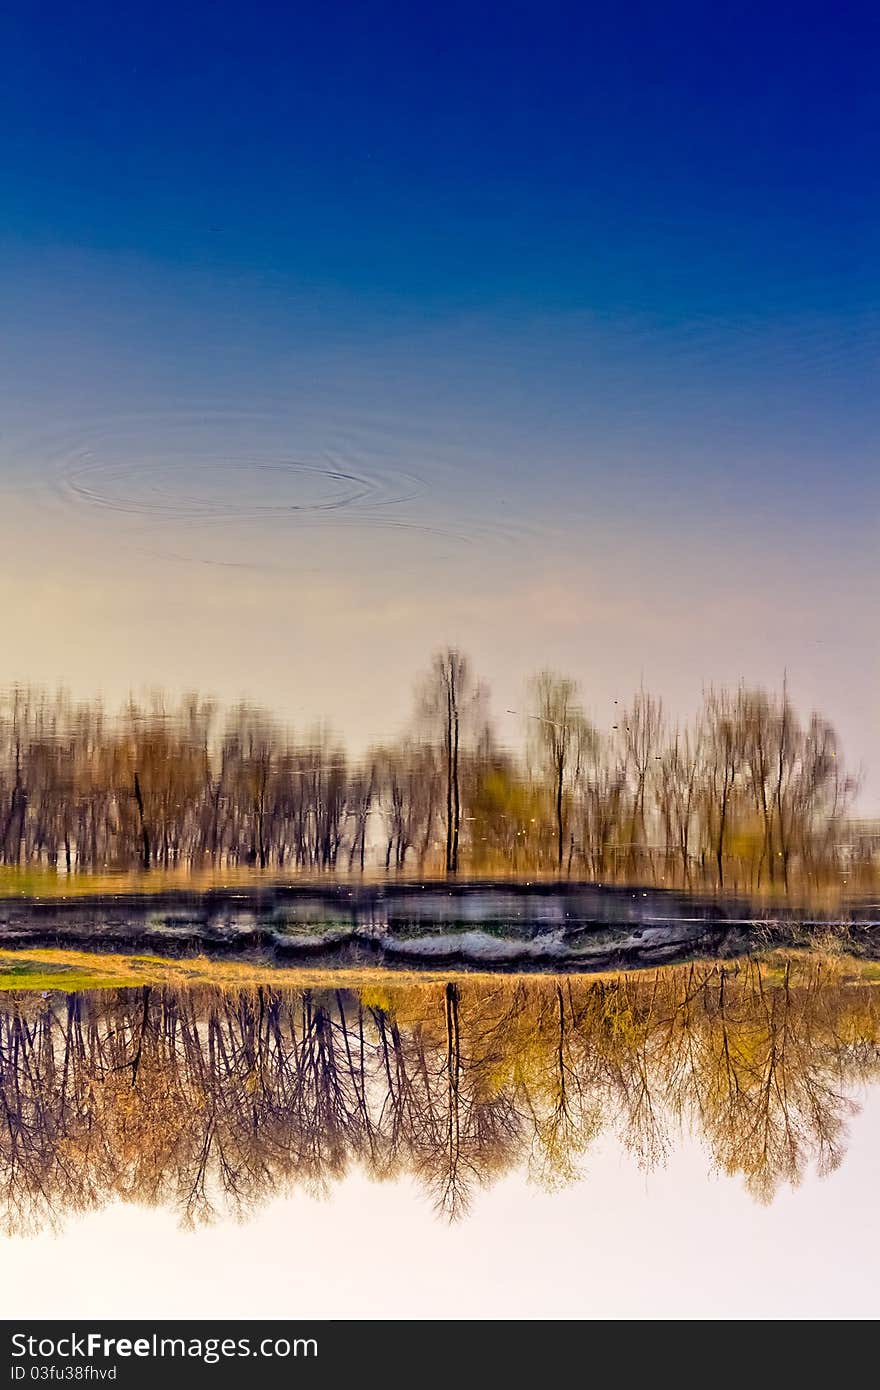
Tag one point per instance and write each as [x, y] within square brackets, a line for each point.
[747, 795]
[209, 1099]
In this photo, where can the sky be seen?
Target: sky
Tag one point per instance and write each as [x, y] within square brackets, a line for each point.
[333, 334]
[616, 1244]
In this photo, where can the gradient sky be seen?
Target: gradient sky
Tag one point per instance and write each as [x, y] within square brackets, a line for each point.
[331, 334]
[678, 1243]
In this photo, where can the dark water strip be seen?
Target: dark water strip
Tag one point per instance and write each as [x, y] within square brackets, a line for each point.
[514, 926]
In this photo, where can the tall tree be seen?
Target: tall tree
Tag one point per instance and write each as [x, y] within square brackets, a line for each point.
[450, 700]
[562, 735]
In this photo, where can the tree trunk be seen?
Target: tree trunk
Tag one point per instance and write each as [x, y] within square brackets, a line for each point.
[145, 838]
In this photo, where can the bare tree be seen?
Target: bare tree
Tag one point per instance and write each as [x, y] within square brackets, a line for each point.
[562, 737]
[746, 794]
[451, 702]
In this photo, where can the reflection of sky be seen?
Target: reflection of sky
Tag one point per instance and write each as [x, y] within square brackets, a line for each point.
[559, 341]
[618, 1244]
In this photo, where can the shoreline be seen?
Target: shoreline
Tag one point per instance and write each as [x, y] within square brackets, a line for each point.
[474, 925]
[45, 971]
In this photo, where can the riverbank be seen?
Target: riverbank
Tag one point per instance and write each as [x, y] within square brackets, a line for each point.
[392, 925]
[47, 970]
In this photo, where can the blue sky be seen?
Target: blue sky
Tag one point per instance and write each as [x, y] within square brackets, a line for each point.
[588, 298]
[674, 160]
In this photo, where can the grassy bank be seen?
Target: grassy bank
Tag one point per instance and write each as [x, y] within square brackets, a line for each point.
[70, 971]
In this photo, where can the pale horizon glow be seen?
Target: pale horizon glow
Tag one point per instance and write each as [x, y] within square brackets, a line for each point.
[678, 1243]
[333, 623]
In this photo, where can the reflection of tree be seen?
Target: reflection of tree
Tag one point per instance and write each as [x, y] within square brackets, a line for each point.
[213, 1100]
[747, 797]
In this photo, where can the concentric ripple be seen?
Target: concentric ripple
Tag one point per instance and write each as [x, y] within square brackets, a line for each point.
[182, 469]
[227, 487]
[182, 472]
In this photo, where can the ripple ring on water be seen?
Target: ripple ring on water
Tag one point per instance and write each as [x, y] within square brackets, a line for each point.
[224, 488]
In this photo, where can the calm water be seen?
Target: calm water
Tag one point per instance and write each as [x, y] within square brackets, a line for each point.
[699, 1140]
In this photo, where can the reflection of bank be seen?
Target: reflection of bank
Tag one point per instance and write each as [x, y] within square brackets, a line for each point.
[211, 1099]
